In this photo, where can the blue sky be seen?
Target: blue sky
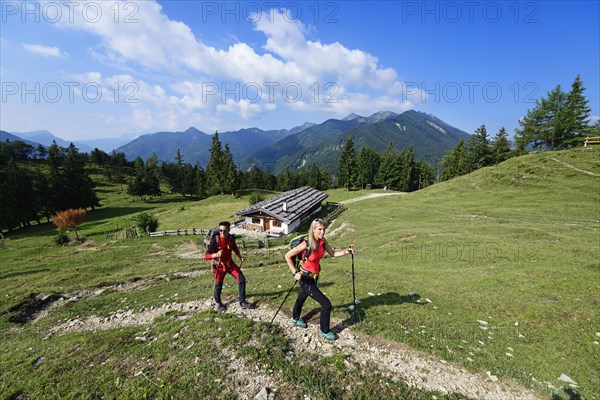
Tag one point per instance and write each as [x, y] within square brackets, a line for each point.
[102, 69]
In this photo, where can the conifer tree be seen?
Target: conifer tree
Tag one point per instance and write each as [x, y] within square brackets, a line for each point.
[409, 176]
[77, 189]
[315, 177]
[389, 170]
[152, 177]
[189, 185]
[456, 162]
[559, 121]
[176, 182]
[478, 149]
[500, 150]
[287, 180]
[577, 114]
[135, 186]
[200, 182]
[214, 169]
[368, 165]
[346, 171]
[426, 174]
[229, 182]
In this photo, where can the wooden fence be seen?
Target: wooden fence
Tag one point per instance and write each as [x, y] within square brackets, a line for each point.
[180, 232]
[339, 208]
[591, 140]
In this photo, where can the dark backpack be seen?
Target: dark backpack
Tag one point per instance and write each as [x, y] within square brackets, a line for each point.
[214, 233]
[211, 232]
[299, 259]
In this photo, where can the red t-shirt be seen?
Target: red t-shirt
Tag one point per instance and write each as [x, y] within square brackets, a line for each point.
[226, 244]
[312, 263]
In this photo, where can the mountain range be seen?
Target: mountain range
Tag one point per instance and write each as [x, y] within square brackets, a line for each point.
[304, 145]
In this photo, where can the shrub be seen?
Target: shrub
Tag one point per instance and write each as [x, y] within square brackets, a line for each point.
[61, 238]
[144, 220]
[69, 219]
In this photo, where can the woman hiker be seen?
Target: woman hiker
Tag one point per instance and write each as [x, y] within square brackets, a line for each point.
[308, 273]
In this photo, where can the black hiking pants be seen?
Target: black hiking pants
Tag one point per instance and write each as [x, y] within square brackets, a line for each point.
[308, 287]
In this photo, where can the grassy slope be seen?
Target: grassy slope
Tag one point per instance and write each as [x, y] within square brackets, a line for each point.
[516, 243]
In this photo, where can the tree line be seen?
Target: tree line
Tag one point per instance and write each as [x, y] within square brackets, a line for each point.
[36, 182]
[559, 121]
[32, 191]
[399, 171]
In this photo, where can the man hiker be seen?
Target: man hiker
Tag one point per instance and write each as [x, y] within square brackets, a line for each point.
[219, 252]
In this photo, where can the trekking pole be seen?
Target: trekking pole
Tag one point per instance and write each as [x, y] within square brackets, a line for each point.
[286, 296]
[353, 290]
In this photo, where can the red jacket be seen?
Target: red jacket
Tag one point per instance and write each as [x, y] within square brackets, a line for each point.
[217, 242]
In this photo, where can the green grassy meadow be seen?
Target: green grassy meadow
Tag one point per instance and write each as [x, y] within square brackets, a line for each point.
[503, 267]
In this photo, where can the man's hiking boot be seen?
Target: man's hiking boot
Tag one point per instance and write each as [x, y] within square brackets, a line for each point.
[329, 335]
[300, 323]
[220, 307]
[247, 306]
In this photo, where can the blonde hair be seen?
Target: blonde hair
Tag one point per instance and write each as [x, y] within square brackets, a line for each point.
[312, 241]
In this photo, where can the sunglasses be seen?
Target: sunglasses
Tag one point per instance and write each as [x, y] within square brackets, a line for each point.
[223, 230]
[320, 221]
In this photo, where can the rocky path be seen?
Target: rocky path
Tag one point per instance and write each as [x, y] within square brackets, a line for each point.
[397, 361]
[567, 165]
[371, 196]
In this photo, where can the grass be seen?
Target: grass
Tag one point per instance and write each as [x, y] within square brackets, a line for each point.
[515, 246]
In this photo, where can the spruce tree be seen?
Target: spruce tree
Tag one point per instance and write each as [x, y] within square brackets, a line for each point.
[478, 148]
[152, 177]
[189, 185]
[229, 182]
[577, 114]
[368, 165]
[500, 150]
[214, 169]
[426, 174]
[200, 181]
[176, 182]
[135, 186]
[346, 171]
[78, 188]
[389, 169]
[456, 162]
[409, 177]
[559, 121]
[315, 179]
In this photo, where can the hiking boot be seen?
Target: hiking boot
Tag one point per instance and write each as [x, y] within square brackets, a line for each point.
[220, 307]
[329, 335]
[247, 306]
[300, 323]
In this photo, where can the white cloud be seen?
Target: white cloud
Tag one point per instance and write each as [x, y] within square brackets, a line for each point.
[244, 108]
[224, 80]
[46, 51]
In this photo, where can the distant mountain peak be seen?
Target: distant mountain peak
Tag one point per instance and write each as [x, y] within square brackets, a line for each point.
[302, 127]
[381, 116]
[350, 117]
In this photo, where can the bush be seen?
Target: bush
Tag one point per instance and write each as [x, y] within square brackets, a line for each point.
[146, 220]
[61, 238]
[69, 219]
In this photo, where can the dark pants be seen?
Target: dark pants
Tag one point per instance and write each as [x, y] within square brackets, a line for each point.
[236, 272]
[308, 287]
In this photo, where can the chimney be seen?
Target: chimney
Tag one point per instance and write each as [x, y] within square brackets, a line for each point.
[285, 206]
